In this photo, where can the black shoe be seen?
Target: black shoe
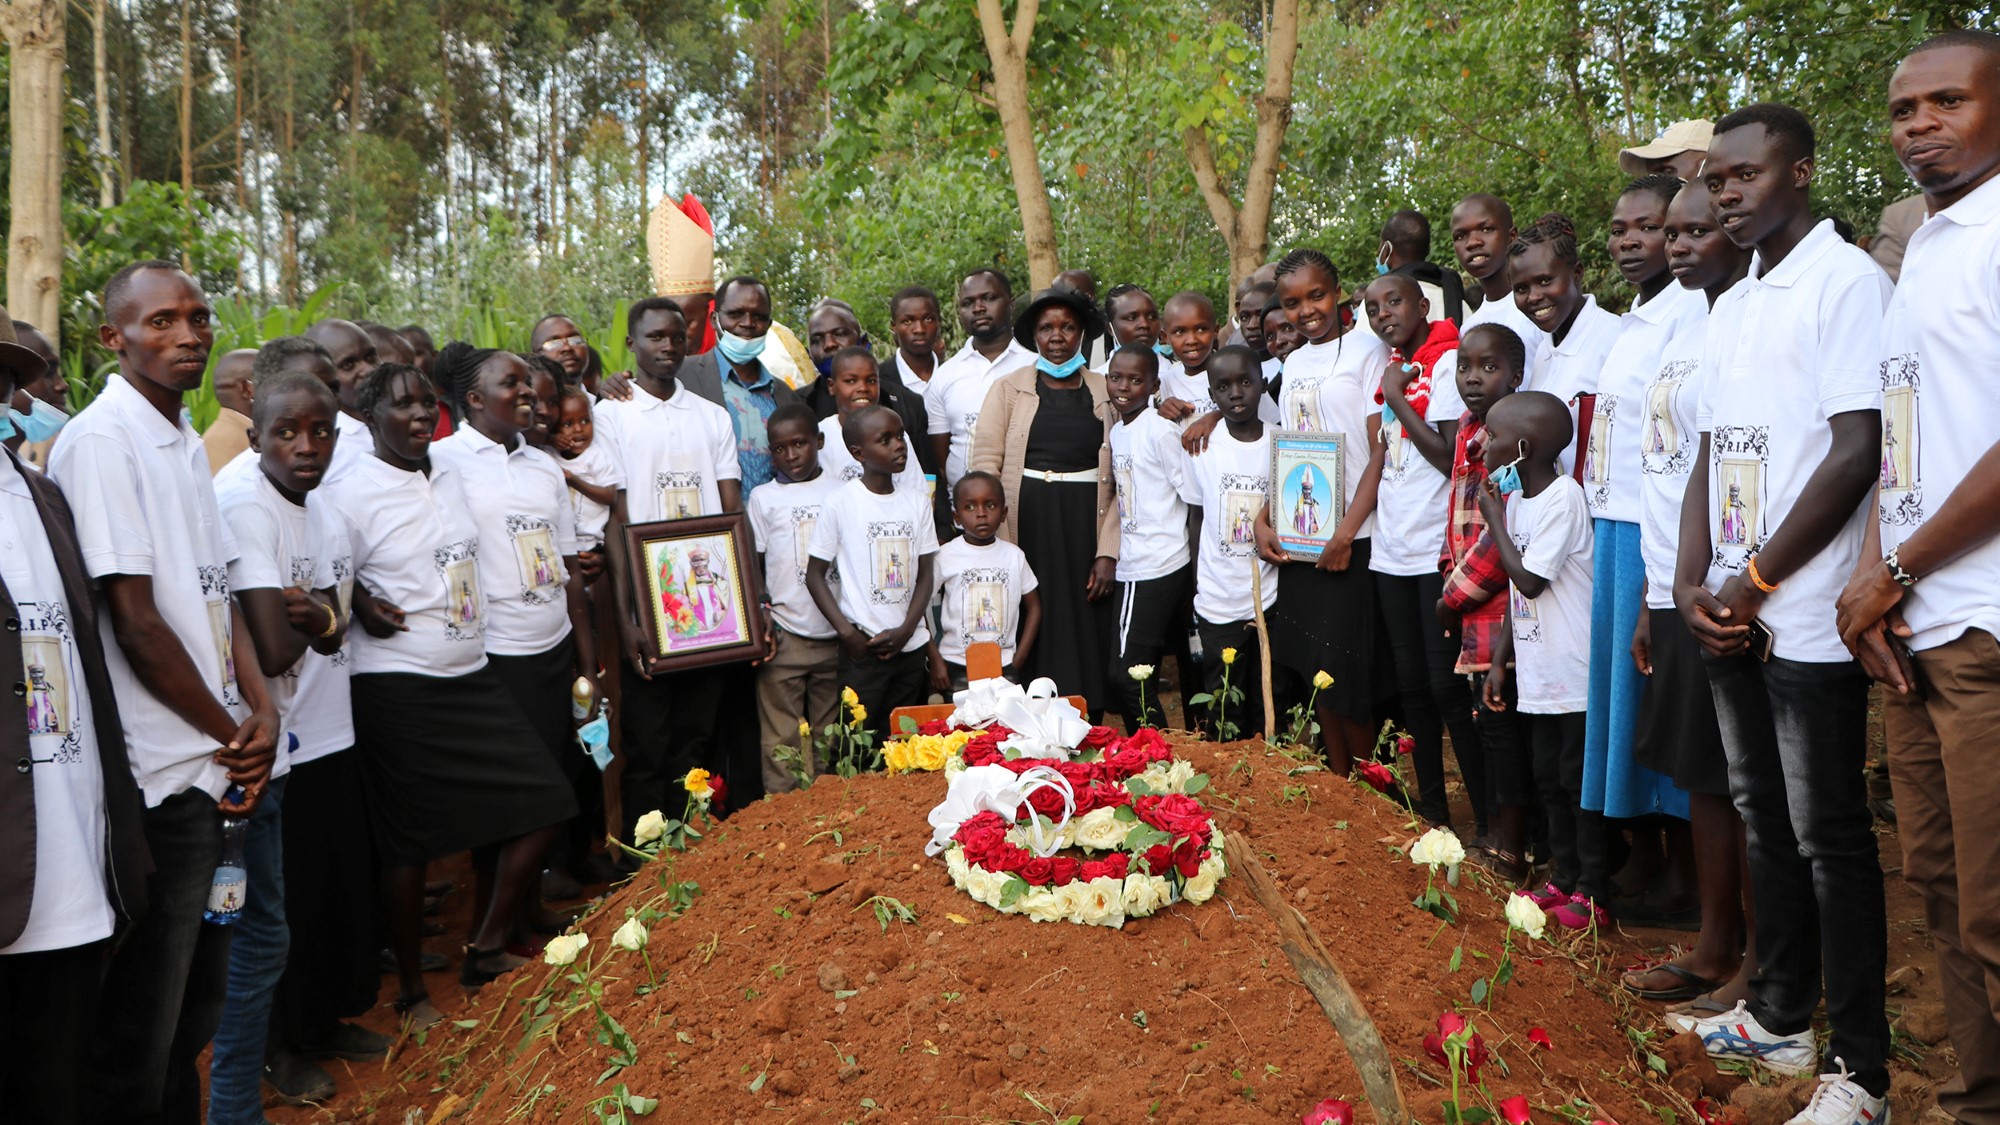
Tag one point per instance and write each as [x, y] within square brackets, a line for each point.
[348, 1041]
[296, 1080]
[484, 965]
[426, 963]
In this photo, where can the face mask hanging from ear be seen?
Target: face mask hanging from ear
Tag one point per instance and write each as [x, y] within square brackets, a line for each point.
[41, 423]
[1382, 259]
[1061, 370]
[1507, 478]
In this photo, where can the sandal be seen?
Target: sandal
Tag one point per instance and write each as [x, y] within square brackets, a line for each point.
[1691, 986]
[416, 1013]
[1503, 864]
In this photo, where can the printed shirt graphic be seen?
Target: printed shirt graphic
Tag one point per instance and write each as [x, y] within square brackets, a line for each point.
[1148, 467]
[1552, 632]
[1785, 353]
[835, 459]
[782, 520]
[878, 543]
[956, 394]
[1229, 483]
[980, 593]
[1668, 440]
[1336, 386]
[1622, 426]
[525, 524]
[669, 453]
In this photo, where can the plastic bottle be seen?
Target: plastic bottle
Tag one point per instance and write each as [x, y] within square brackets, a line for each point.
[232, 880]
[582, 699]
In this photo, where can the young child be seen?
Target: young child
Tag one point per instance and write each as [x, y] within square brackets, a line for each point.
[1155, 575]
[548, 385]
[987, 587]
[800, 677]
[1187, 326]
[1281, 336]
[856, 381]
[1548, 287]
[1546, 553]
[592, 474]
[883, 541]
[1473, 603]
[1226, 486]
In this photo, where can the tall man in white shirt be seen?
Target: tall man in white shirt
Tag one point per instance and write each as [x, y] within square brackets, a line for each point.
[354, 356]
[1938, 508]
[1791, 425]
[957, 390]
[70, 814]
[200, 727]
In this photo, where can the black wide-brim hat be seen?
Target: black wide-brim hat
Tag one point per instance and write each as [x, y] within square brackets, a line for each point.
[22, 363]
[1086, 315]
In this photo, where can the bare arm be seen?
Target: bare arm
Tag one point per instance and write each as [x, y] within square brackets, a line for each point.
[1494, 509]
[1435, 445]
[285, 623]
[160, 660]
[853, 641]
[731, 492]
[1031, 626]
[604, 494]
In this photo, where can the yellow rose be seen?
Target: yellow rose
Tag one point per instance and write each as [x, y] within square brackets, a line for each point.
[697, 784]
[931, 754]
[896, 756]
[1229, 656]
[805, 729]
[1322, 681]
[857, 714]
[848, 697]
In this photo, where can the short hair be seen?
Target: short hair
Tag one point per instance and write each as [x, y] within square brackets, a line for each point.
[277, 356]
[651, 304]
[1398, 279]
[281, 383]
[1235, 352]
[118, 291]
[1780, 121]
[1266, 288]
[1409, 232]
[851, 426]
[1147, 356]
[990, 271]
[539, 362]
[912, 293]
[793, 412]
[1489, 201]
[852, 351]
[1553, 230]
[409, 330]
[375, 385]
[1543, 415]
[1305, 257]
[1194, 297]
[980, 476]
[1113, 294]
[1960, 37]
[722, 290]
[1509, 341]
[1662, 185]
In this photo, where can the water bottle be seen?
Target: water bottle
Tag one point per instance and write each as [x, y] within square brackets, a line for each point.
[225, 894]
[582, 699]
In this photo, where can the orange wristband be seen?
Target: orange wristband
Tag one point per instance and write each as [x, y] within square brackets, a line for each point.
[1756, 579]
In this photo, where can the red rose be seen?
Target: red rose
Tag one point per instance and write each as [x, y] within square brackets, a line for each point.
[718, 793]
[1158, 859]
[1098, 738]
[1038, 871]
[1119, 865]
[1405, 744]
[1094, 869]
[1047, 800]
[1064, 870]
[1187, 857]
[1377, 775]
[938, 727]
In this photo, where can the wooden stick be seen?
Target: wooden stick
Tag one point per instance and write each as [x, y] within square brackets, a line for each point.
[1325, 981]
[1263, 648]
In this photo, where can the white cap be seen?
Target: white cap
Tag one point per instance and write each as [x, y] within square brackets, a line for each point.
[1682, 136]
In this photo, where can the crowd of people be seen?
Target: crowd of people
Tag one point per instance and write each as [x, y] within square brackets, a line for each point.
[1640, 566]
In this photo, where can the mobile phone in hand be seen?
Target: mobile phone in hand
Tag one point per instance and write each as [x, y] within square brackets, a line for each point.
[1761, 640]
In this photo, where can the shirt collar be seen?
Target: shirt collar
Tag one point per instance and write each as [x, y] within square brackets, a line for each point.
[1817, 244]
[1657, 308]
[647, 400]
[133, 405]
[764, 378]
[1579, 328]
[13, 478]
[1980, 206]
[479, 443]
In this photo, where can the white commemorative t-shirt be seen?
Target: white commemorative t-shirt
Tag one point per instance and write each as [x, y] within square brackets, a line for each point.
[1668, 442]
[1785, 352]
[285, 544]
[144, 503]
[957, 393]
[595, 465]
[1175, 382]
[1330, 388]
[415, 546]
[521, 512]
[876, 542]
[981, 590]
[1571, 368]
[840, 464]
[1446, 405]
[782, 518]
[1940, 368]
[1412, 504]
[1552, 633]
[669, 452]
[1613, 446]
[1229, 483]
[70, 906]
[353, 443]
[1148, 466]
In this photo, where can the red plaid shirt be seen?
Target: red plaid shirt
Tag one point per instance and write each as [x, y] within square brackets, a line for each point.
[1473, 576]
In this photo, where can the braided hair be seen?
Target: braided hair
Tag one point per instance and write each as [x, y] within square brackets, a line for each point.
[375, 385]
[1306, 257]
[456, 372]
[1663, 186]
[1553, 229]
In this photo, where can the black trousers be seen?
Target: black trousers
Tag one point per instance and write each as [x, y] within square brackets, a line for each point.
[1248, 715]
[677, 721]
[1435, 698]
[48, 1001]
[332, 902]
[1510, 763]
[1576, 834]
[903, 680]
[1149, 614]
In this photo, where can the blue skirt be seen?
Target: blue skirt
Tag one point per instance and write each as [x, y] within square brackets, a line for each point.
[1613, 782]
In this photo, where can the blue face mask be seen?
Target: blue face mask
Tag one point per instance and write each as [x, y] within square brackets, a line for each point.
[595, 738]
[1060, 370]
[41, 423]
[7, 430]
[736, 349]
[1507, 478]
[1164, 351]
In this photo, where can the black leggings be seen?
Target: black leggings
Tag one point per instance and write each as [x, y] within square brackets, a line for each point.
[1434, 697]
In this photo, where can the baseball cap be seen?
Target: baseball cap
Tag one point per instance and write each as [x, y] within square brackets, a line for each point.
[1682, 136]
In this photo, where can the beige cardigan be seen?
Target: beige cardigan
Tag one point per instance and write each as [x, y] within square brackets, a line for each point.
[1000, 446]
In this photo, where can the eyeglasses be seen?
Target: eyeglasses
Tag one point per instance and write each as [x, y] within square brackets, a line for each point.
[561, 342]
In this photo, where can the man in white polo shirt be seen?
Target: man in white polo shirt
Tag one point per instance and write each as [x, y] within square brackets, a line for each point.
[1790, 422]
[957, 390]
[1938, 494]
[200, 727]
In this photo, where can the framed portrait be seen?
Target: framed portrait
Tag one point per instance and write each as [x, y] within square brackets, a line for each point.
[1308, 489]
[698, 591]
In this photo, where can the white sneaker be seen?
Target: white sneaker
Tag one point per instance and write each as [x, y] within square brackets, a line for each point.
[1736, 1034]
[1838, 1101]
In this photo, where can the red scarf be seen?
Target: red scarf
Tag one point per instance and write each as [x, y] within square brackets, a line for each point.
[1443, 337]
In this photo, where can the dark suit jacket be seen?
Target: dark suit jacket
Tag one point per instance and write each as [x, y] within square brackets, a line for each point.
[704, 378]
[125, 840]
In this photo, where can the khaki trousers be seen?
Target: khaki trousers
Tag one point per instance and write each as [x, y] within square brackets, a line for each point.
[801, 680]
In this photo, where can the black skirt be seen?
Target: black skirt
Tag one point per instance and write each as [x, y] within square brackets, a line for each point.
[540, 686]
[1058, 533]
[1678, 735]
[1324, 621]
[449, 764]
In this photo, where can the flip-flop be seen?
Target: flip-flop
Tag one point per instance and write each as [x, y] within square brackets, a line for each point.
[1692, 986]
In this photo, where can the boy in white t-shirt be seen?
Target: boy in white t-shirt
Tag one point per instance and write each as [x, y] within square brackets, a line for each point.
[1155, 572]
[855, 380]
[986, 586]
[885, 544]
[1228, 485]
[1547, 555]
[800, 679]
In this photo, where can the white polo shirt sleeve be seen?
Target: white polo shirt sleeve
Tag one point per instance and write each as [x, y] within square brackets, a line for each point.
[100, 479]
[1851, 346]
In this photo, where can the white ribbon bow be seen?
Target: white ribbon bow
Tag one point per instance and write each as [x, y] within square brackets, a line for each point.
[1000, 790]
[1044, 725]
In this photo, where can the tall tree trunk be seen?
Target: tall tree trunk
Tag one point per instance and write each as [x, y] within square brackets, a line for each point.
[187, 124]
[1247, 230]
[100, 84]
[35, 37]
[236, 84]
[358, 62]
[1008, 52]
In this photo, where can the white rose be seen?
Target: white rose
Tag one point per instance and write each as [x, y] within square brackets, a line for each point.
[651, 827]
[1100, 830]
[1437, 848]
[1102, 903]
[956, 863]
[1140, 672]
[1201, 887]
[1179, 774]
[563, 950]
[1525, 916]
[631, 936]
[1143, 894]
[1046, 904]
[984, 886]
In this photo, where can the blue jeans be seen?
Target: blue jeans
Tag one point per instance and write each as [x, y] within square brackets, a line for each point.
[163, 993]
[256, 961]
[1796, 737]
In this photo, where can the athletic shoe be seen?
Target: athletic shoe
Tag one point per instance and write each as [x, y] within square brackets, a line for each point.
[1579, 913]
[1736, 1034]
[1838, 1101]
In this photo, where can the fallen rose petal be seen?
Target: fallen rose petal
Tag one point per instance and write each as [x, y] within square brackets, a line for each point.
[1540, 1038]
[1331, 1111]
[1451, 1023]
[1515, 1109]
[1702, 1108]
[1434, 1047]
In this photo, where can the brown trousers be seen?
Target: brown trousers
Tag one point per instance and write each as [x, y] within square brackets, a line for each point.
[1947, 802]
[801, 680]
